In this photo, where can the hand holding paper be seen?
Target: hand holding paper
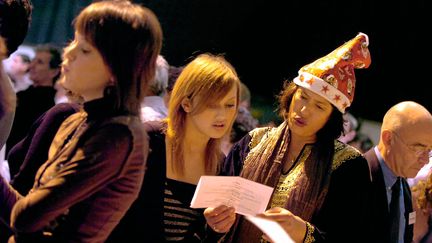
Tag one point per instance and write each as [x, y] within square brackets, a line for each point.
[221, 218]
[291, 224]
[246, 196]
[249, 198]
[272, 229]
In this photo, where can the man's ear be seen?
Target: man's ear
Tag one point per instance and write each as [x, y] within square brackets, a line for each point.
[387, 137]
[186, 105]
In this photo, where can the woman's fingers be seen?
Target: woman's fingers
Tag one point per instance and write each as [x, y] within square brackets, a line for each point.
[221, 218]
[292, 224]
[225, 223]
[276, 214]
[276, 210]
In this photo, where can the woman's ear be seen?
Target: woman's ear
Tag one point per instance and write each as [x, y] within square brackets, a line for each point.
[111, 81]
[186, 105]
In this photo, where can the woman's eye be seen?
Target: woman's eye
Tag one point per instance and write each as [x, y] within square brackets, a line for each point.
[85, 51]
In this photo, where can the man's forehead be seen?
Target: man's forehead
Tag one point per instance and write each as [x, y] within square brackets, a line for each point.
[43, 55]
[421, 135]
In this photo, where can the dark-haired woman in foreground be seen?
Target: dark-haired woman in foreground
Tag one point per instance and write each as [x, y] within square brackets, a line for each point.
[96, 161]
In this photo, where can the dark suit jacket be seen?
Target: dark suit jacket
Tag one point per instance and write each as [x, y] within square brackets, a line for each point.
[380, 227]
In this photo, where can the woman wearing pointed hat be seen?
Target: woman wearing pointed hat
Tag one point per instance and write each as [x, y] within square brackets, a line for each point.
[320, 184]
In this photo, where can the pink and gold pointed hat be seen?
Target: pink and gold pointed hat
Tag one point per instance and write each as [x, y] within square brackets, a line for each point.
[333, 76]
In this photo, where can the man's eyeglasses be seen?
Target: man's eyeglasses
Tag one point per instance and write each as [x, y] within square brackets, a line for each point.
[418, 150]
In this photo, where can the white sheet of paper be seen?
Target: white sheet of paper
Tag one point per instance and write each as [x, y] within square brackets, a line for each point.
[272, 229]
[246, 196]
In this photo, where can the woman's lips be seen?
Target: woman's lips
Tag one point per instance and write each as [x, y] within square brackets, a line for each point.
[300, 122]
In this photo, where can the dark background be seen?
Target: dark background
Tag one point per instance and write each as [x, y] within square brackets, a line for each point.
[269, 41]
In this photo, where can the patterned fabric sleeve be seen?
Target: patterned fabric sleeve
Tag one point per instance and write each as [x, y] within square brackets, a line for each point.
[310, 233]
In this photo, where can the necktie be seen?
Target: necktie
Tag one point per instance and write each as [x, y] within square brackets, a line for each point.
[395, 212]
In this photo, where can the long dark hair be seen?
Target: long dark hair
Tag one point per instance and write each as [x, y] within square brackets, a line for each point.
[327, 135]
[129, 38]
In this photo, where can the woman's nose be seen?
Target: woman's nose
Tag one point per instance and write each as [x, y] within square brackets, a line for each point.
[304, 110]
[220, 111]
[69, 52]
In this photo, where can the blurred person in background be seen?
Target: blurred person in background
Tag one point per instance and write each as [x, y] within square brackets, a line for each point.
[37, 98]
[422, 203]
[19, 71]
[15, 17]
[243, 123]
[153, 107]
[174, 73]
[353, 136]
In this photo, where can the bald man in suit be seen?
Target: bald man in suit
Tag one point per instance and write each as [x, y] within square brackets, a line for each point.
[403, 149]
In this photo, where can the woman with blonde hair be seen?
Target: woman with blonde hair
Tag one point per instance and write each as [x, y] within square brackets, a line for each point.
[186, 146]
[96, 161]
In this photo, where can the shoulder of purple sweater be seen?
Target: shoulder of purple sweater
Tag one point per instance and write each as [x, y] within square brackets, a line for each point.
[63, 108]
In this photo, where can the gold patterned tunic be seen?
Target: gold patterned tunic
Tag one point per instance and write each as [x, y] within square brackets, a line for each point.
[343, 215]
